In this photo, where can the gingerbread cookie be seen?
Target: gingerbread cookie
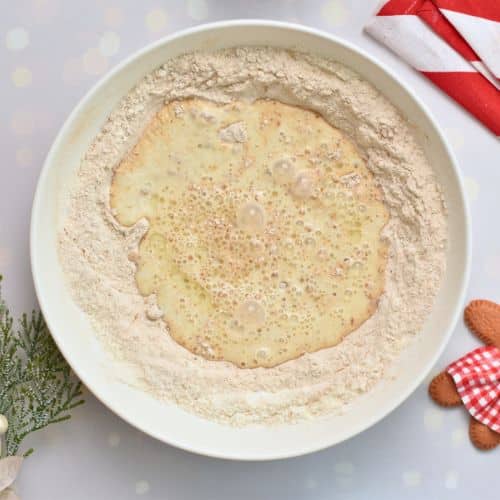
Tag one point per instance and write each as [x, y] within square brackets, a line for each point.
[474, 380]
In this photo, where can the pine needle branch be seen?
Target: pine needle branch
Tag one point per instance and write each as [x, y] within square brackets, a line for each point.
[37, 387]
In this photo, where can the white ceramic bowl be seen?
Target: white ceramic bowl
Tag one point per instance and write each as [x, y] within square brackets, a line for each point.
[73, 333]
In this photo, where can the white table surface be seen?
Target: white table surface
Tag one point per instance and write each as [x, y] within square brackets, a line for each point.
[51, 52]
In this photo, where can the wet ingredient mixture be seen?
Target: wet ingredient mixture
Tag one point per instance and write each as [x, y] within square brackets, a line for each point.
[264, 229]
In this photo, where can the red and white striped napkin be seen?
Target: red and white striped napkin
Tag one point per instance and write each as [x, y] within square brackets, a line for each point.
[454, 43]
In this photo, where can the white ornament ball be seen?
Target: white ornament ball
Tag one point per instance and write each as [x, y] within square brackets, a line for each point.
[4, 424]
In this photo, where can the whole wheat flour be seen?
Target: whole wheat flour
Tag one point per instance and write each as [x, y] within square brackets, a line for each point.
[97, 254]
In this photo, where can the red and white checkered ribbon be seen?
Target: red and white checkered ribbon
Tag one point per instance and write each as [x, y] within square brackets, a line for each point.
[454, 43]
[477, 377]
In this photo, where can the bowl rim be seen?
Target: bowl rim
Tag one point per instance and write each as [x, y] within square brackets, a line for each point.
[214, 26]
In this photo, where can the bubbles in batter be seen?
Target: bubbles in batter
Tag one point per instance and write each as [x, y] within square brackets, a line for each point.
[251, 218]
[303, 184]
[262, 245]
[262, 353]
[283, 171]
[251, 313]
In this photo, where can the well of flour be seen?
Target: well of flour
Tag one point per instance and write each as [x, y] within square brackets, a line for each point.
[261, 246]
[257, 232]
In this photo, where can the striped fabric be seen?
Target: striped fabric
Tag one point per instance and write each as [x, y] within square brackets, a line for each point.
[454, 43]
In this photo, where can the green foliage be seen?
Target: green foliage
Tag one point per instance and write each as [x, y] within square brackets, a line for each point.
[36, 384]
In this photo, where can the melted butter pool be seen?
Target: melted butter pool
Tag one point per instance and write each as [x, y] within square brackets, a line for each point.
[264, 239]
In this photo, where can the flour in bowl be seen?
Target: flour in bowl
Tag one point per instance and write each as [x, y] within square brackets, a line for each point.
[309, 140]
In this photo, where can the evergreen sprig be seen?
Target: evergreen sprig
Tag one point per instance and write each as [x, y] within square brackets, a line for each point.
[37, 387]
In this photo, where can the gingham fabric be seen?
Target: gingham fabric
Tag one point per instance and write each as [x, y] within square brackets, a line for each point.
[477, 377]
[454, 43]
